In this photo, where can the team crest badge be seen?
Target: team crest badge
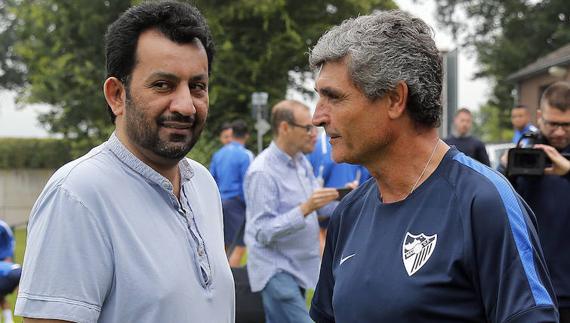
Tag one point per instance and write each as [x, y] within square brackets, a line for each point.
[416, 251]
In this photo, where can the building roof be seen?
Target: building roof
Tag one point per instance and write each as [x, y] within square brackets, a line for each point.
[560, 56]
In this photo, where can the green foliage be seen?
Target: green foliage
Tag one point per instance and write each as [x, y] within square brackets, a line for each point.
[34, 153]
[507, 35]
[488, 127]
[260, 41]
[60, 43]
[11, 67]
[56, 48]
[204, 149]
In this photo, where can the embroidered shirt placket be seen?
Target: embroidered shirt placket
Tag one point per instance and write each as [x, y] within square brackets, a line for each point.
[203, 264]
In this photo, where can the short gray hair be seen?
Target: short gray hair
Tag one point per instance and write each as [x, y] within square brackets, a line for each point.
[382, 49]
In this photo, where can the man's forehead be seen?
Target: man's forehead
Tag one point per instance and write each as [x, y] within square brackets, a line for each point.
[549, 110]
[152, 44]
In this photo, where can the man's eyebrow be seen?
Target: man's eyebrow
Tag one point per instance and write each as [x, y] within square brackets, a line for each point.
[199, 77]
[176, 78]
[164, 75]
[328, 92]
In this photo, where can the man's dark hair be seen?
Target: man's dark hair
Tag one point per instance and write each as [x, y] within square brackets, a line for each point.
[557, 96]
[520, 106]
[239, 129]
[225, 126]
[179, 22]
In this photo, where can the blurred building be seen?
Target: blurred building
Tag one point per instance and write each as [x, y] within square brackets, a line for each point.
[534, 78]
[449, 91]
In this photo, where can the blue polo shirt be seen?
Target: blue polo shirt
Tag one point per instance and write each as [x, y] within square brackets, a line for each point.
[333, 174]
[461, 248]
[228, 167]
[7, 241]
[518, 133]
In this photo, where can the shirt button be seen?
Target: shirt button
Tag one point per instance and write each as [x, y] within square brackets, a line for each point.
[201, 251]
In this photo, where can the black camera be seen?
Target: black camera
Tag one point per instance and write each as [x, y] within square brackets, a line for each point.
[525, 160]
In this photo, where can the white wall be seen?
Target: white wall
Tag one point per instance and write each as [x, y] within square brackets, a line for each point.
[19, 190]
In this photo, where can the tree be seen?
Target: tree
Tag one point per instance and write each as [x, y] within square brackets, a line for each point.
[260, 41]
[60, 43]
[11, 67]
[506, 36]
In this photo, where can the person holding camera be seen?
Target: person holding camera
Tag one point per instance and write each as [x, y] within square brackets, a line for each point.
[549, 195]
[282, 233]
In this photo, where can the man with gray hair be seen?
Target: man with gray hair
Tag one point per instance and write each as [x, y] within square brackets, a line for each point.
[437, 236]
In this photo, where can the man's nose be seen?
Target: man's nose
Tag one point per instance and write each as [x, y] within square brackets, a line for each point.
[183, 102]
[320, 117]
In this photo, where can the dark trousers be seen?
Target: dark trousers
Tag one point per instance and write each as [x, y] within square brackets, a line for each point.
[234, 215]
[564, 315]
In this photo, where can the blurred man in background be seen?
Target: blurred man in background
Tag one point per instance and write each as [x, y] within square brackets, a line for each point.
[331, 174]
[228, 167]
[462, 139]
[9, 271]
[225, 133]
[549, 195]
[520, 118]
[282, 234]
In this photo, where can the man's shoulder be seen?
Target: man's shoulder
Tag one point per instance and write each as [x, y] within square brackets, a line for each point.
[90, 168]
[474, 182]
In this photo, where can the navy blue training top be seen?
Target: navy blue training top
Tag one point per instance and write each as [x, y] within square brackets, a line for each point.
[461, 248]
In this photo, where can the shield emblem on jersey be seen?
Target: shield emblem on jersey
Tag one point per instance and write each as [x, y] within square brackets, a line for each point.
[416, 251]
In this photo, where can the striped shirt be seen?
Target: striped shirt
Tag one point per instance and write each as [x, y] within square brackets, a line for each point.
[278, 236]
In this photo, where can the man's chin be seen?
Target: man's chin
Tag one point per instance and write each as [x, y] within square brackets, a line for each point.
[174, 152]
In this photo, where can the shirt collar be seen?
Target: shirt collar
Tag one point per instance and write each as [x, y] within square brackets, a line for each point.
[129, 159]
[235, 143]
[283, 156]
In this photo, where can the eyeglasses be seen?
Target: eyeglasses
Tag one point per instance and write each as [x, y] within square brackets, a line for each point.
[308, 128]
[552, 126]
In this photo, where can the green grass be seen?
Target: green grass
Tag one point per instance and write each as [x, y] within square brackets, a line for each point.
[20, 234]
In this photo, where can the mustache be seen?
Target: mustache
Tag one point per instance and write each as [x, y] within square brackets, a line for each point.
[176, 117]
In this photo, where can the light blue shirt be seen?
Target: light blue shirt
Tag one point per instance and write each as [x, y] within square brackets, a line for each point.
[278, 236]
[228, 168]
[108, 241]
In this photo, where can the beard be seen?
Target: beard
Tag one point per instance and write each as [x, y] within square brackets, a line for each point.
[145, 132]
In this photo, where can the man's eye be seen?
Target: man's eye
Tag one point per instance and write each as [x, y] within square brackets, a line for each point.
[162, 86]
[199, 86]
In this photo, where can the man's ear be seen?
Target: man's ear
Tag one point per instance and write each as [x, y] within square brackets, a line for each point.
[398, 100]
[115, 94]
[283, 127]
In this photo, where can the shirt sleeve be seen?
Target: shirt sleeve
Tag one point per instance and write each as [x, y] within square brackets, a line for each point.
[262, 200]
[68, 263]
[321, 306]
[509, 267]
